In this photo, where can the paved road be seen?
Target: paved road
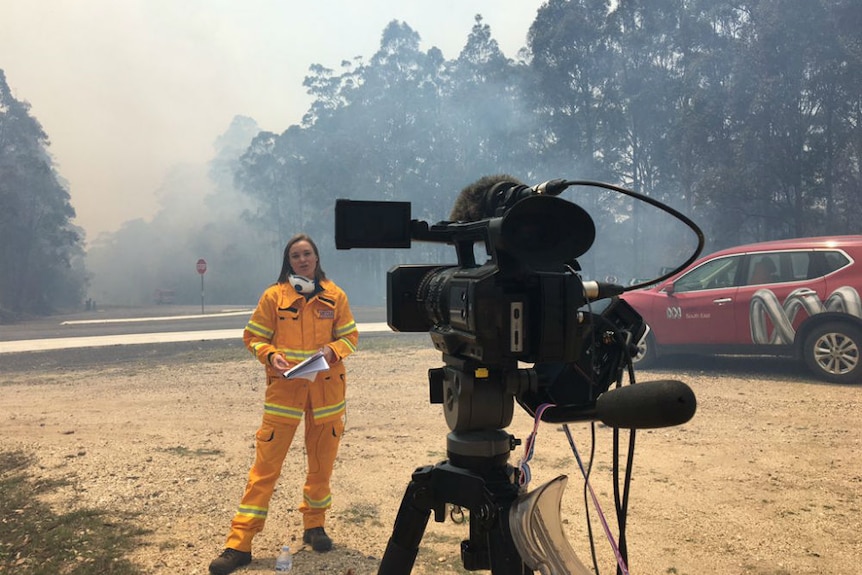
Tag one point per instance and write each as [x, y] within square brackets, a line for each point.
[140, 326]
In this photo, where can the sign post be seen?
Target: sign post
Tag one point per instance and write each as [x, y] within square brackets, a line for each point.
[201, 266]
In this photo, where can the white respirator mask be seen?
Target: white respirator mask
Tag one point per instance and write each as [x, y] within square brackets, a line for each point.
[301, 284]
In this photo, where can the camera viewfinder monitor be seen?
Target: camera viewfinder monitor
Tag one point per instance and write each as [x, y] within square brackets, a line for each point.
[371, 224]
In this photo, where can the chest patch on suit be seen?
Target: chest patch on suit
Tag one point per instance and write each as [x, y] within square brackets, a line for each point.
[326, 314]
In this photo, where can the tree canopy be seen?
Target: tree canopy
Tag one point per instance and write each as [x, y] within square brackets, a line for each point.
[743, 115]
[40, 250]
[746, 116]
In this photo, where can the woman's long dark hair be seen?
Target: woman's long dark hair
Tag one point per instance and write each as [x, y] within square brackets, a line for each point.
[286, 270]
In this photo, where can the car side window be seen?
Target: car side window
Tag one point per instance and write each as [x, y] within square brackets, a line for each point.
[797, 267]
[717, 273]
[781, 267]
[834, 261]
[763, 269]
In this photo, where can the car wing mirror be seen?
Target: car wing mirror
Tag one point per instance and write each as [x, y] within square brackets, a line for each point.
[669, 288]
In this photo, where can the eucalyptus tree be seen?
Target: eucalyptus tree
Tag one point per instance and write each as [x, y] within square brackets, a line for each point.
[397, 106]
[794, 116]
[571, 89]
[484, 118]
[573, 97]
[674, 78]
[40, 249]
[369, 134]
[271, 172]
[834, 76]
[700, 141]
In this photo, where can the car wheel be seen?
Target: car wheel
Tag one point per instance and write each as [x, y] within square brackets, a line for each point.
[646, 353]
[833, 351]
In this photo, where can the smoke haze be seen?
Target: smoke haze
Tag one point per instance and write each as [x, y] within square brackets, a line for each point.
[149, 106]
[128, 90]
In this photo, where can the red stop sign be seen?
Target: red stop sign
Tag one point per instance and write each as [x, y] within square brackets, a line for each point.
[202, 266]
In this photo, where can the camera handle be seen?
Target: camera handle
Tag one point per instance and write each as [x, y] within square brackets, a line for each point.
[477, 477]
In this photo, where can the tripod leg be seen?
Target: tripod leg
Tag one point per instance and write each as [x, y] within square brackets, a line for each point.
[487, 498]
[505, 559]
[490, 546]
[410, 523]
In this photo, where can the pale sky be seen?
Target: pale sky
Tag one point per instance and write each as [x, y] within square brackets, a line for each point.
[125, 89]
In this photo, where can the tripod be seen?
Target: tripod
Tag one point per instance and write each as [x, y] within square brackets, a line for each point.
[476, 476]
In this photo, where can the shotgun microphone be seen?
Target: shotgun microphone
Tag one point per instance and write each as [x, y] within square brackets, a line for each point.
[647, 405]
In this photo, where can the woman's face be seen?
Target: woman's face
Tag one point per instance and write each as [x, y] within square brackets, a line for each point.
[303, 261]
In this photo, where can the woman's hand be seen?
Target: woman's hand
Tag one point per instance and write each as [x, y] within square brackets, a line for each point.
[329, 355]
[277, 361]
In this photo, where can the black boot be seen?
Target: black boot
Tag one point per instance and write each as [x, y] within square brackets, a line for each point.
[318, 538]
[228, 561]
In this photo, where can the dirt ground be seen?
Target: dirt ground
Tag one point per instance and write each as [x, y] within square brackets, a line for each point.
[766, 478]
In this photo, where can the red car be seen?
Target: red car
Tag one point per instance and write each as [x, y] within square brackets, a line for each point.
[797, 298]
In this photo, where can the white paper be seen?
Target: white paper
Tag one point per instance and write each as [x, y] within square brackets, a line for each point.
[308, 367]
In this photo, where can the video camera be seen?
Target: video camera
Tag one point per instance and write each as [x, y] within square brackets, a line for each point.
[521, 324]
[524, 304]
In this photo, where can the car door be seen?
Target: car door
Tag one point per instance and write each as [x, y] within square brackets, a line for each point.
[770, 307]
[698, 307]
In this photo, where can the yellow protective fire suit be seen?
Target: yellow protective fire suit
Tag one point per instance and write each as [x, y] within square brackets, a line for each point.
[286, 322]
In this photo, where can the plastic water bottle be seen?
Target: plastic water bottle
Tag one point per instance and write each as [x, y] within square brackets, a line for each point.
[284, 561]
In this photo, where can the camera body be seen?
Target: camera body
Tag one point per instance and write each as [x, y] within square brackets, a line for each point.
[481, 313]
[525, 304]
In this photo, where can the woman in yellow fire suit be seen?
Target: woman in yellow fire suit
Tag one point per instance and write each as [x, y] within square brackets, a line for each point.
[302, 313]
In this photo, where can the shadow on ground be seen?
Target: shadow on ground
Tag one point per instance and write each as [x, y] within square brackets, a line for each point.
[760, 367]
